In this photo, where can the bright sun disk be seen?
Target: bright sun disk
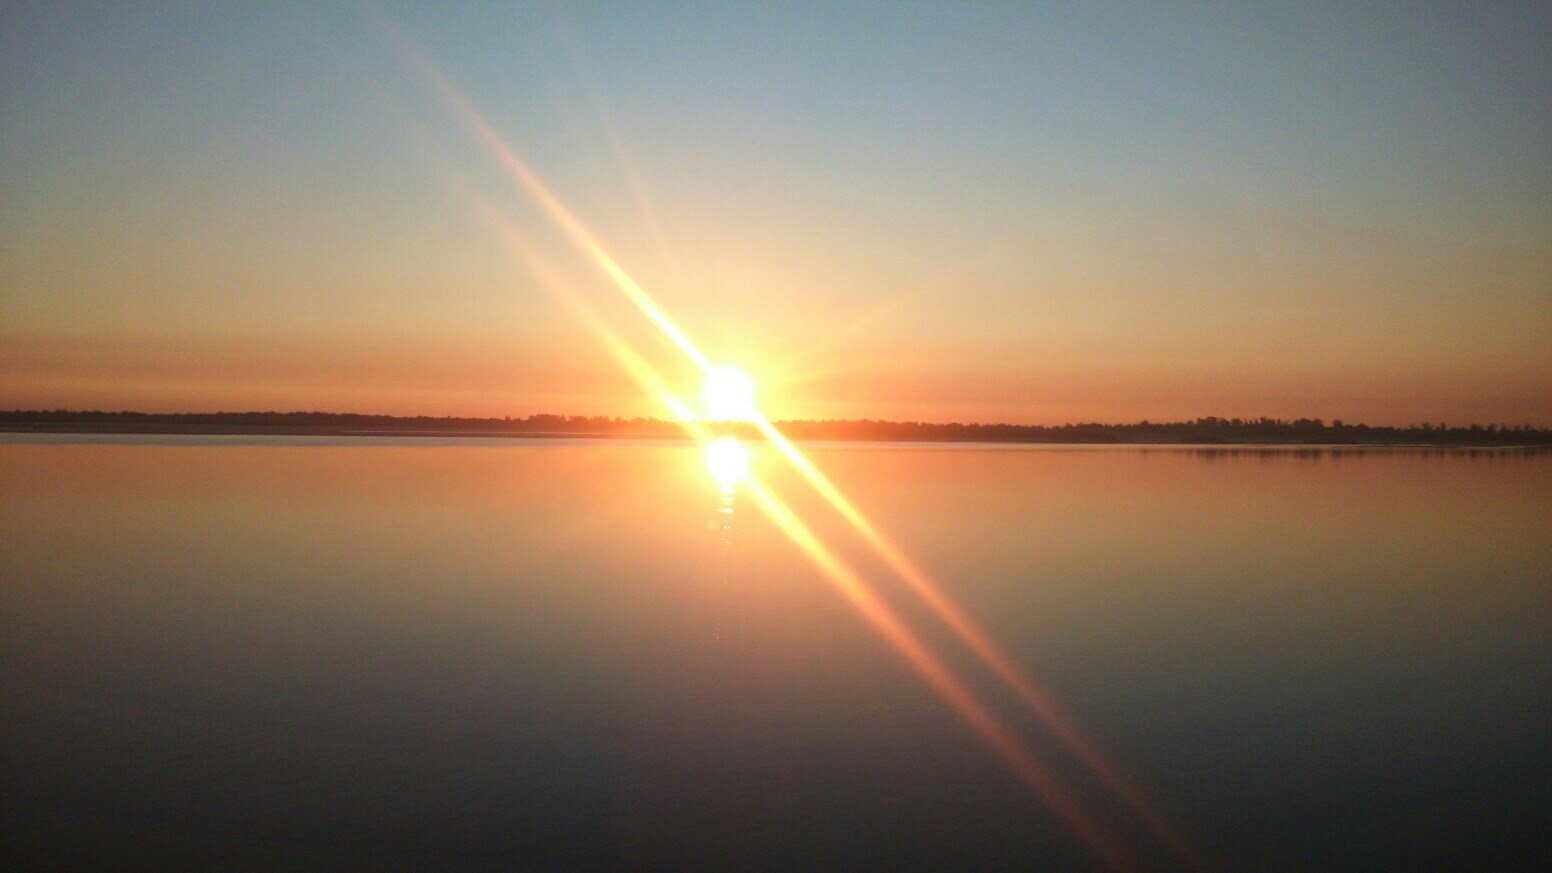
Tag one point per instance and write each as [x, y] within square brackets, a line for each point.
[728, 395]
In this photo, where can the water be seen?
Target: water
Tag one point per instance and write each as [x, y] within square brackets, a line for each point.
[238, 652]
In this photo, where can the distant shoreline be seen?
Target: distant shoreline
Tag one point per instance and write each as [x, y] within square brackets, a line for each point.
[1201, 432]
[317, 431]
[684, 437]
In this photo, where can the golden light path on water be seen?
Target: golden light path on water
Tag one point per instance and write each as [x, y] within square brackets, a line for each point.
[728, 462]
[727, 391]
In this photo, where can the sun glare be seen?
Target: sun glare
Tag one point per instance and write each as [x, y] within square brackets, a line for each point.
[728, 461]
[728, 395]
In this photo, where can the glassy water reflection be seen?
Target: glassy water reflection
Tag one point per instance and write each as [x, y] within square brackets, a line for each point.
[227, 653]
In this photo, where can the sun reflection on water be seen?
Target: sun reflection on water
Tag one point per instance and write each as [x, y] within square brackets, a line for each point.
[728, 461]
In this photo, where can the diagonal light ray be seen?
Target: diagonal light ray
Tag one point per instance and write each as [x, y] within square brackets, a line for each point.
[1050, 713]
[549, 278]
[563, 217]
[852, 586]
[622, 156]
[942, 680]
[845, 579]
[838, 573]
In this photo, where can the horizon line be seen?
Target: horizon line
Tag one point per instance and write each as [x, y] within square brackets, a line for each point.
[1209, 421]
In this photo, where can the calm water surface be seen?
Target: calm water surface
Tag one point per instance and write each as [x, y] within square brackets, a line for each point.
[238, 652]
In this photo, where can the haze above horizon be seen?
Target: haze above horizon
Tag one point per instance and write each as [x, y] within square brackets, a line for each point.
[935, 213]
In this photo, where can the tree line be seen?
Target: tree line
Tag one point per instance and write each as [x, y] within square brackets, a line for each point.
[1208, 430]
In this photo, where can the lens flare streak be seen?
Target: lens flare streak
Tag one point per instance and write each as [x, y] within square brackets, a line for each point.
[1050, 713]
[939, 677]
[579, 234]
[852, 586]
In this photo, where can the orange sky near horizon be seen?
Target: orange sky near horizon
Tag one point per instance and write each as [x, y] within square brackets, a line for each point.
[494, 380]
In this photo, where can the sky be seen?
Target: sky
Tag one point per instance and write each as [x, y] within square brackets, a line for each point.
[1031, 213]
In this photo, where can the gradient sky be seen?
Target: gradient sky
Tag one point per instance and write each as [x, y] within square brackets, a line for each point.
[1017, 212]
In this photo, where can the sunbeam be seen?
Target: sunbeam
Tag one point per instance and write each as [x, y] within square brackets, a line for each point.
[1050, 713]
[729, 396]
[841, 576]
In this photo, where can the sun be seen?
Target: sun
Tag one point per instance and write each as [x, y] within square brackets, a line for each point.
[728, 395]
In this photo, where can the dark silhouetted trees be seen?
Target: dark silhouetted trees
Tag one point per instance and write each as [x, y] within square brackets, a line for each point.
[1210, 430]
